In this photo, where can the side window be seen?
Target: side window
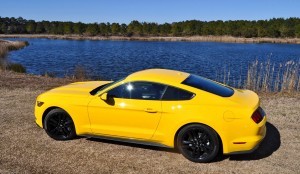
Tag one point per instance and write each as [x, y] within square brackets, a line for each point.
[173, 93]
[138, 90]
[118, 92]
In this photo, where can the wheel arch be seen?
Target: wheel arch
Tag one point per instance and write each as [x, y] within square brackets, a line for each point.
[50, 109]
[219, 137]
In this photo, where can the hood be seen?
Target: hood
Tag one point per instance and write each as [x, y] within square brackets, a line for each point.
[245, 98]
[78, 88]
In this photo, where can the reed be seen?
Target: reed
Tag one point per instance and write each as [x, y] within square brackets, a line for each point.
[5, 47]
[209, 38]
[267, 77]
[80, 73]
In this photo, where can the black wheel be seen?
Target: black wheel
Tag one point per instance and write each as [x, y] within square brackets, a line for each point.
[59, 125]
[198, 143]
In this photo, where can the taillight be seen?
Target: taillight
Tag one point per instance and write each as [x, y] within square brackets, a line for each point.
[258, 115]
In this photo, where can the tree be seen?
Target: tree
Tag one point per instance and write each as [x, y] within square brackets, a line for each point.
[135, 28]
[60, 28]
[123, 29]
[92, 29]
[103, 29]
[176, 29]
[47, 26]
[297, 30]
[39, 28]
[165, 29]
[68, 29]
[30, 27]
[276, 27]
[115, 29]
[78, 28]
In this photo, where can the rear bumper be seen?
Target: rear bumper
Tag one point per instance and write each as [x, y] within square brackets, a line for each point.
[249, 144]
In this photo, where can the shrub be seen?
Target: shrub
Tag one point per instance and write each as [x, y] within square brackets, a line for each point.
[80, 73]
[16, 67]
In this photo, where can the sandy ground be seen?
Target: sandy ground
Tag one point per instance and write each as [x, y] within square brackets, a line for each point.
[25, 148]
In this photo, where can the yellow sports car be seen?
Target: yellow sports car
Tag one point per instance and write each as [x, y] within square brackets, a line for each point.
[158, 107]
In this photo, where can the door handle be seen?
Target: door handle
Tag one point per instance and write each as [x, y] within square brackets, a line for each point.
[150, 110]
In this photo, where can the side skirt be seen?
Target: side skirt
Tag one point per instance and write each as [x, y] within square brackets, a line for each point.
[126, 140]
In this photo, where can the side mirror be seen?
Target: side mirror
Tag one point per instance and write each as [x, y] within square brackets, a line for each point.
[104, 96]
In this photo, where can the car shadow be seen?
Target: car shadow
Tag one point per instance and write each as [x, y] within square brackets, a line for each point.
[269, 145]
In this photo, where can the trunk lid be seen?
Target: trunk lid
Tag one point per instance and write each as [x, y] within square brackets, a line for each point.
[245, 98]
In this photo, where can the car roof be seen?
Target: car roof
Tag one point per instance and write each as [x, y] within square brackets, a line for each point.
[159, 75]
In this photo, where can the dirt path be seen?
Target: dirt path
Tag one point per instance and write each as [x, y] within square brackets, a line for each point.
[25, 148]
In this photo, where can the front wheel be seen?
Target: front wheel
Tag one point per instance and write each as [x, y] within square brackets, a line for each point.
[59, 125]
[198, 143]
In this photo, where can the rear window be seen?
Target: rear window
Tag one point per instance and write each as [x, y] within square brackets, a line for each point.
[208, 86]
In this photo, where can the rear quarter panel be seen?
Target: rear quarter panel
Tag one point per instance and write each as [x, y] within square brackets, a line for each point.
[201, 109]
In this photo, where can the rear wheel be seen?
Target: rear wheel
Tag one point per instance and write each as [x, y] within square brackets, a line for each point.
[59, 125]
[198, 143]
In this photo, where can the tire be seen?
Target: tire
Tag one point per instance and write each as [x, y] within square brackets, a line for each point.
[198, 143]
[59, 125]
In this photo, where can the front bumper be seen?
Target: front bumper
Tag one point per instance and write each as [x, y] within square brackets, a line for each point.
[38, 112]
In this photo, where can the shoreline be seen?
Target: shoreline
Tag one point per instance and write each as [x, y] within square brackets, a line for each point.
[6, 46]
[224, 39]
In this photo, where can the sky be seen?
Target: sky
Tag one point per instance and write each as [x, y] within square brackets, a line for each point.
[159, 11]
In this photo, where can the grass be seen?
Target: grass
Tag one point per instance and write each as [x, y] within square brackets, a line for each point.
[5, 47]
[25, 148]
[270, 77]
[265, 77]
[158, 38]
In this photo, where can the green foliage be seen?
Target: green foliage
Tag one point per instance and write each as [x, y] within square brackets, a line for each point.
[115, 28]
[297, 30]
[68, 28]
[135, 28]
[275, 28]
[78, 28]
[30, 27]
[92, 29]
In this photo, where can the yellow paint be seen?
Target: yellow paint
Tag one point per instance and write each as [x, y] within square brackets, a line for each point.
[157, 121]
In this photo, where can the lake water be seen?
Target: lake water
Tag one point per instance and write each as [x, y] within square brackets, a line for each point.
[116, 59]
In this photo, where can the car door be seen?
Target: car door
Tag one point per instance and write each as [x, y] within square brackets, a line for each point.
[132, 110]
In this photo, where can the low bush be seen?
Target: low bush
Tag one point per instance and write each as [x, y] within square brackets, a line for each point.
[16, 67]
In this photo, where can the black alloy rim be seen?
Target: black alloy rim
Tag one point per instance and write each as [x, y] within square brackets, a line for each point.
[60, 125]
[197, 143]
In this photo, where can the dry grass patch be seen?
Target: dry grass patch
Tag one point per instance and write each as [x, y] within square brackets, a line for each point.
[6, 46]
[230, 39]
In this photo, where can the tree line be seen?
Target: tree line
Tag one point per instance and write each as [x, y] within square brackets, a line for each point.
[275, 28]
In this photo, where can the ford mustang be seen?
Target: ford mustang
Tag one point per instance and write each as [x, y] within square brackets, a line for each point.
[198, 116]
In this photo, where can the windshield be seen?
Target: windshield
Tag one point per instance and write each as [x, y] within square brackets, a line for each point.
[208, 86]
[102, 87]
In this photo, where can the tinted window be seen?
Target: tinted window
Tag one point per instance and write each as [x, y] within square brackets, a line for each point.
[118, 92]
[177, 94]
[138, 90]
[208, 85]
